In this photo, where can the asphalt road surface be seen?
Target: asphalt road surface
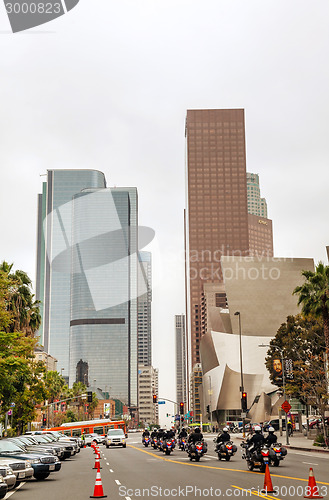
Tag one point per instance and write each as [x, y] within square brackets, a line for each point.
[139, 472]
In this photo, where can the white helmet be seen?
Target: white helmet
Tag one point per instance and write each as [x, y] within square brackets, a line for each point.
[257, 428]
[271, 429]
[225, 429]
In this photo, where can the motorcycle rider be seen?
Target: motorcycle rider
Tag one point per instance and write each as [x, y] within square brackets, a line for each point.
[195, 436]
[183, 433]
[224, 437]
[146, 433]
[256, 440]
[271, 438]
[169, 434]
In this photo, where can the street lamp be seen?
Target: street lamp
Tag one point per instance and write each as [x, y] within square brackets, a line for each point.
[237, 313]
[283, 382]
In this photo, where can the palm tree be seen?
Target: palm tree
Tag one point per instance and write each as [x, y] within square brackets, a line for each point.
[314, 297]
[21, 303]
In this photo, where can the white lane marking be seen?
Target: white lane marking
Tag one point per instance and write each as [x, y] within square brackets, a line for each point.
[13, 491]
[323, 455]
[107, 464]
[127, 498]
[118, 482]
[111, 470]
[309, 463]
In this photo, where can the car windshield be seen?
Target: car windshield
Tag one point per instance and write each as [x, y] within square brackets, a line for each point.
[115, 432]
[9, 446]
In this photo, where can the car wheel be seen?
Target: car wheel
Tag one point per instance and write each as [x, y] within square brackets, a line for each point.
[107, 445]
[124, 446]
[41, 477]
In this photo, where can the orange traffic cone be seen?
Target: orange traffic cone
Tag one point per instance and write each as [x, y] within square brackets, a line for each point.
[97, 463]
[268, 486]
[98, 490]
[312, 489]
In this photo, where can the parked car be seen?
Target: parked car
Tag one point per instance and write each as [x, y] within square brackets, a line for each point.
[22, 469]
[7, 473]
[115, 437]
[275, 424]
[3, 488]
[89, 438]
[29, 444]
[43, 463]
[317, 423]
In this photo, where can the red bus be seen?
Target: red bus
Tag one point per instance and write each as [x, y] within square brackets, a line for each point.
[100, 426]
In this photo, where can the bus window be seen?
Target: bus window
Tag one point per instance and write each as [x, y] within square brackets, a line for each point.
[98, 430]
[76, 432]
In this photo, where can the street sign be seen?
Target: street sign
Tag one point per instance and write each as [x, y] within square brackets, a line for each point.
[161, 402]
[286, 406]
[12, 405]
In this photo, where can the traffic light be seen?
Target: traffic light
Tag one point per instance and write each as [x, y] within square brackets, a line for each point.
[44, 419]
[244, 404]
[181, 408]
[155, 398]
[208, 408]
[90, 396]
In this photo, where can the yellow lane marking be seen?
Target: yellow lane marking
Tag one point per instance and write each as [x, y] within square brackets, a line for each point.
[220, 468]
[257, 493]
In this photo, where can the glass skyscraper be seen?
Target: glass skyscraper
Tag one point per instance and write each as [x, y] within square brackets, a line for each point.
[87, 280]
[144, 309]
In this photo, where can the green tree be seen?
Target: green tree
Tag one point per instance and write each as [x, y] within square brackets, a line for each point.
[21, 377]
[302, 341]
[314, 297]
[20, 302]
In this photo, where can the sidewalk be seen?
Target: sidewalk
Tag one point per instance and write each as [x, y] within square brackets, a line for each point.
[296, 442]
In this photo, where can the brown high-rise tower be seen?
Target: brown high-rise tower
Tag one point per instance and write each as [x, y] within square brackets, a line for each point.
[217, 211]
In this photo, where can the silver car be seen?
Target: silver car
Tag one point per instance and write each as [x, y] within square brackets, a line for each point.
[115, 437]
[16, 469]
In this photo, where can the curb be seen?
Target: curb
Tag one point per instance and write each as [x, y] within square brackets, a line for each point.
[315, 448]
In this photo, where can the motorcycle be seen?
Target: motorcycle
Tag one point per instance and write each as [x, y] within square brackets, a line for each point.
[257, 458]
[154, 443]
[277, 453]
[168, 446]
[182, 444]
[226, 450]
[197, 450]
[146, 441]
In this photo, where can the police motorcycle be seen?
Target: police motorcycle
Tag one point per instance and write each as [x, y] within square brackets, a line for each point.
[168, 445]
[154, 442]
[196, 450]
[183, 443]
[277, 453]
[226, 450]
[257, 457]
[146, 441]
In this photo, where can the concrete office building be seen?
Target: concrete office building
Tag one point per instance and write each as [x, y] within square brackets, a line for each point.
[181, 368]
[217, 214]
[217, 218]
[144, 309]
[256, 204]
[87, 280]
[148, 385]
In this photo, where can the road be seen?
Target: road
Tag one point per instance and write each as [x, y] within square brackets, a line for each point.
[137, 472]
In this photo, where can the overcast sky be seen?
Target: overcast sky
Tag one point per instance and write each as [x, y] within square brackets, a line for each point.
[107, 87]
